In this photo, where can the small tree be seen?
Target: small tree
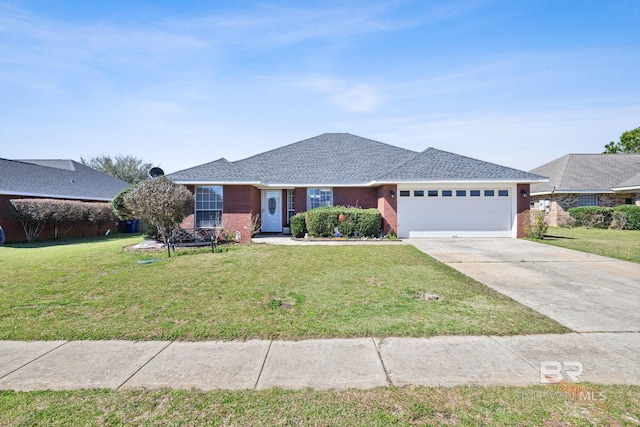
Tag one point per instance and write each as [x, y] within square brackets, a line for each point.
[33, 214]
[629, 143]
[160, 203]
[127, 168]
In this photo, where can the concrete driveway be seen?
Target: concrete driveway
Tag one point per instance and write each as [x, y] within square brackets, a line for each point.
[585, 292]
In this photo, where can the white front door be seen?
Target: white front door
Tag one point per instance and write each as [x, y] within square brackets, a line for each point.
[272, 210]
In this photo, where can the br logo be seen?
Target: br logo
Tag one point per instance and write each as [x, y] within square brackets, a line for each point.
[552, 372]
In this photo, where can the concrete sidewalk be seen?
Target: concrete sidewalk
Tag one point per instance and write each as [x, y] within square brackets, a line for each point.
[607, 358]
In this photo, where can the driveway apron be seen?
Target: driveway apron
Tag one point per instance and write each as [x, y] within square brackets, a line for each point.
[585, 292]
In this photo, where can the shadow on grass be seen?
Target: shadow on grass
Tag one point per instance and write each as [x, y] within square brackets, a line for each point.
[71, 241]
[551, 237]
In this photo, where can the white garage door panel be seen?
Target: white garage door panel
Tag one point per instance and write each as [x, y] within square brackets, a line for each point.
[454, 216]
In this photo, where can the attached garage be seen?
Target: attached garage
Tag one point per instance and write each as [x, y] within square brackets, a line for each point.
[456, 210]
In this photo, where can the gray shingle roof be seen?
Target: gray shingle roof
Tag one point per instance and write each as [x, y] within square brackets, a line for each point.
[433, 165]
[57, 179]
[345, 159]
[588, 172]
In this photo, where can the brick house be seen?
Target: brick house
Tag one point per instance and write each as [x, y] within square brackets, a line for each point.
[52, 179]
[586, 180]
[432, 193]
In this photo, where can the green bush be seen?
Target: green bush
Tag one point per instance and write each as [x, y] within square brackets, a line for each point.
[368, 222]
[321, 222]
[629, 214]
[592, 216]
[298, 225]
[537, 225]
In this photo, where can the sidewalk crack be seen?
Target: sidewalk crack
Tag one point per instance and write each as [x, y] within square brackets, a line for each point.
[384, 368]
[144, 364]
[264, 362]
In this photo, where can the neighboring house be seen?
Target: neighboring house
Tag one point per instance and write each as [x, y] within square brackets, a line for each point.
[51, 179]
[586, 180]
[427, 194]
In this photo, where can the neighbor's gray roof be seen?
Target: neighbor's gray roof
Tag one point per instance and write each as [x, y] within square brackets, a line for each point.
[64, 179]
[344, 159]
[633, 182]
[588, 172]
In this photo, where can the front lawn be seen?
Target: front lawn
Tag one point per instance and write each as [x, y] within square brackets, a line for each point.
[621, 244]
[95, 290]
[561, 405]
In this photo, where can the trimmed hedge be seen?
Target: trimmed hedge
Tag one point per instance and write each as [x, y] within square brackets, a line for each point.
[321, 222]
[632, 214]
[592, 216]
[298, 225]
[626, 217]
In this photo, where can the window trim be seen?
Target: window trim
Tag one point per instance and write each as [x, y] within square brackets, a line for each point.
[198, 222]
[590, 196]
[291, 204]
[322, 202]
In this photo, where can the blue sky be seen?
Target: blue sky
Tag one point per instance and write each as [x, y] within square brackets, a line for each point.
[180, 83]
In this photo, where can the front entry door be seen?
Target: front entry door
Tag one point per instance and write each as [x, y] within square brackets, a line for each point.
[272, 210]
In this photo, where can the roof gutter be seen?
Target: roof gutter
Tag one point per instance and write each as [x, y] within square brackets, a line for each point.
[631, 188]
[54, 196]
[462, 181]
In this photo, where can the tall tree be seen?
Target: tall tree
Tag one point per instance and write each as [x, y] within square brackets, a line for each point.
[629, 143]
[160, 203]
[127, 168]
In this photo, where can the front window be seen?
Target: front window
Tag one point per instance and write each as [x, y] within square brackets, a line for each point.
[317, 197]
[208, 206]
[291, 206]
[588, 200]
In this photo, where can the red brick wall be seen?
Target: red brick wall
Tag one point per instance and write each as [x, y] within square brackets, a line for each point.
[388, 207]
[300, 199]
[241, 203]
[523, 205]
[362, 197]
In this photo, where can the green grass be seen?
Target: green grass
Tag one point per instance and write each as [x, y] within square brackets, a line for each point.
[92, 289]
[561, 405]
[621, 244]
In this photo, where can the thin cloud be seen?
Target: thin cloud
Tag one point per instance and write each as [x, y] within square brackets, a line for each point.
[351, 96]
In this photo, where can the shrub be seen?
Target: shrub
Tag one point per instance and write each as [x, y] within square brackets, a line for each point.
[321, 222]
[592, 216]
[119, 207]
[298, 225]
[160, 203]
[367, 222]
[536, 225]
[629, 214]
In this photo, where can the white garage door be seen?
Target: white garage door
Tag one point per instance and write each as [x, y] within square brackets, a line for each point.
[455, 212]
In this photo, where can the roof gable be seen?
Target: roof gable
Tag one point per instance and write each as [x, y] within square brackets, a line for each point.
[588, 172]
[57, 179]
